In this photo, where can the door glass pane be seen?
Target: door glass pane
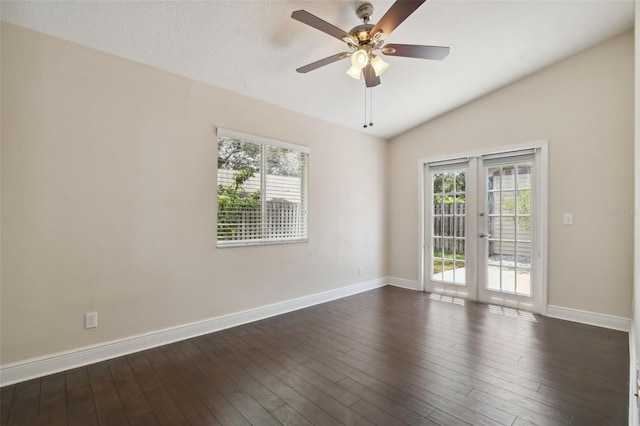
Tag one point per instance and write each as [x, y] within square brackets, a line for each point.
[459, 272]
[508, 178]
[437, 205]
[460, 207]
[509, 222]
[524, 177]
[493, 203]
[508, 279]
[508, 202]
[449, 226]
[523, 281]
[460, 226]
[461, 182]
[437, 226]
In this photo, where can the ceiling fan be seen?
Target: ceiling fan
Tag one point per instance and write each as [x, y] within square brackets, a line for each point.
[366, 41]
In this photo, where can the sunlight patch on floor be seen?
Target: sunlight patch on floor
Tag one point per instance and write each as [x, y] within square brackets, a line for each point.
[510, 312]
[448, 299]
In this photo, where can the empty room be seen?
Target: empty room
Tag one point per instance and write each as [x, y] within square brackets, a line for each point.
[319, 213]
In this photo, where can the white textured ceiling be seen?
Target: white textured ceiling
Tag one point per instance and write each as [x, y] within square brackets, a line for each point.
[254, 47]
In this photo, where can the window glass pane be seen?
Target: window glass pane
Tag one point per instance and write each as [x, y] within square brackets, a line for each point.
[262, 193]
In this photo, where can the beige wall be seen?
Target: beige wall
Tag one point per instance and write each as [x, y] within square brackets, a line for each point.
[584, 107]
[108, 200]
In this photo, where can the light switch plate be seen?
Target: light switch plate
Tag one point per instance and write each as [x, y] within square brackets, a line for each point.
[567, 219]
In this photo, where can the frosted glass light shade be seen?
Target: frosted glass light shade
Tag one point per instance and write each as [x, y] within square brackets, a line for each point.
[354, 72]
[379, 66]
[360, 58]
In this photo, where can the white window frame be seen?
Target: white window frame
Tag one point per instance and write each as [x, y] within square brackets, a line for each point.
[263, 141]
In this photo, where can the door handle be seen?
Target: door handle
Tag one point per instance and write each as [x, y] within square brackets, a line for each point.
[484, 235]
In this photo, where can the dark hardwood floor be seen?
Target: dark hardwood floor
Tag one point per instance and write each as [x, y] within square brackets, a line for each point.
[388, 357]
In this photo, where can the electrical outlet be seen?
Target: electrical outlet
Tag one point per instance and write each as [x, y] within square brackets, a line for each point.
[360, 270]
[91, 320]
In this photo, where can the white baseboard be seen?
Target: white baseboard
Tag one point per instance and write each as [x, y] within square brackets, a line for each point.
[401, 282]
[590, 318]
[42, 366]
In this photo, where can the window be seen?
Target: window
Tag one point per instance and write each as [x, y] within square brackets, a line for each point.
[262, 190]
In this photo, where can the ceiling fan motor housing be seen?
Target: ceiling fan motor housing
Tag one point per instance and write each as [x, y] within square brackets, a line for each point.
[361, 32]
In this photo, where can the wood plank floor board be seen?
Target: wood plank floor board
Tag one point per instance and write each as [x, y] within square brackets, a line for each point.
[81, 407]
[204, 390]
[293, 398]
[385, 404]
[25, 403]
[53, 400]
[6, 399]
[386, 357]
[466, 408]
[290, 417]
[109, 408]
[227, 365]
[320, 381]
[212, 390]
[156, 399]
[374, 414]
[335, 408]
[135, 399]
[523, 412]
[168, 365]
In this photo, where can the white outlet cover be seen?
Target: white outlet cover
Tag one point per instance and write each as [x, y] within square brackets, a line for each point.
[91, 320]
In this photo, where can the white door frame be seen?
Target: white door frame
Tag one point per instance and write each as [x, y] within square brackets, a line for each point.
[541, 219]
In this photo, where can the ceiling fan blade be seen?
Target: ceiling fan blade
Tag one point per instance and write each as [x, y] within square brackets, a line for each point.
[319, 24]
[437, 53]
[370, 77]
[322, 62]
[397, 13]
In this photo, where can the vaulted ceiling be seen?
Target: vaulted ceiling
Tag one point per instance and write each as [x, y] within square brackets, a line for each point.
[254, 47]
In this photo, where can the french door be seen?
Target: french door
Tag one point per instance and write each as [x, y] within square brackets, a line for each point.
[483, 229]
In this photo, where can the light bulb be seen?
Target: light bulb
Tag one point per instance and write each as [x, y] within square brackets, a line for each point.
[354, 72]
[360, 58]
[379, 66]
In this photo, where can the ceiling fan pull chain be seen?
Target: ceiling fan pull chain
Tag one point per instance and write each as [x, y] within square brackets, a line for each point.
[370, 108]
[365, 107]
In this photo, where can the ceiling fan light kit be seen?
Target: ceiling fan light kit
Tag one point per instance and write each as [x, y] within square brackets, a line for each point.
[367, 40]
